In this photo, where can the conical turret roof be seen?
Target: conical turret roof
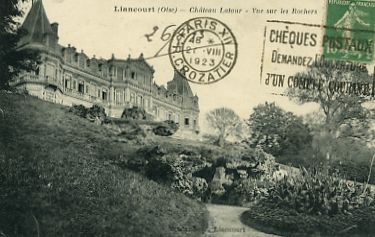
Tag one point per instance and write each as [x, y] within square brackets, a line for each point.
[37, 24]
[181, 85]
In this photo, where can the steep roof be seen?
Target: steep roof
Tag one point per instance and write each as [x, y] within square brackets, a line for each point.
[181, 85]
[36, 23]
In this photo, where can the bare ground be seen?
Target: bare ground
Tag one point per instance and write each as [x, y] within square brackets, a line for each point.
[225, 222]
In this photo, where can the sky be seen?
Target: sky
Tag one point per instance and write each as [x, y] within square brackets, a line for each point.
[93, 26]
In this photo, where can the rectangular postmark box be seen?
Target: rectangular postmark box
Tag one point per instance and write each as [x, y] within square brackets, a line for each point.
[297, 56]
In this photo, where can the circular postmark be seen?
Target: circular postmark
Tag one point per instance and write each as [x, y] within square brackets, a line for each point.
[203, 50]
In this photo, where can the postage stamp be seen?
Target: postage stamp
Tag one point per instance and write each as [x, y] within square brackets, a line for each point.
[349, 32]
[203, 50]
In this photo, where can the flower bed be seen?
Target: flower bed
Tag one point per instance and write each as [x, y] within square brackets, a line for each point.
[287, 222]
[314, 203]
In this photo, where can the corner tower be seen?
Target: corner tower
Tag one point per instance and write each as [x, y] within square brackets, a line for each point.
[38, 29]
[190, 108]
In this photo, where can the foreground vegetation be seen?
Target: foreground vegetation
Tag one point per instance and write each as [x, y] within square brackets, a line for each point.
[58, 178]
[314, 203]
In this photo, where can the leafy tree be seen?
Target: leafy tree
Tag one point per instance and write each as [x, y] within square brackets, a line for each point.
[225, 122]
[276, 131]
[13, 59]
[342, 124]
[337, 108]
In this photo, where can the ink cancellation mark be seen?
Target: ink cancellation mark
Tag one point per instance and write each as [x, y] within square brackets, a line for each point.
[203, 50]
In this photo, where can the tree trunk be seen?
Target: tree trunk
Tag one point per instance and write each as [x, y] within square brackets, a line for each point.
[220, 141]
[369, 174]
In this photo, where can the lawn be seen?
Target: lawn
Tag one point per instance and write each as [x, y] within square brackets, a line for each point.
[58, 178]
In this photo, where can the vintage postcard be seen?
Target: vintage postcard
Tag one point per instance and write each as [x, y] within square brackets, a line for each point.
[187, 118]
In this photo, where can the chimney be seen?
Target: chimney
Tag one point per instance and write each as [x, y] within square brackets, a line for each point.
[55, 28]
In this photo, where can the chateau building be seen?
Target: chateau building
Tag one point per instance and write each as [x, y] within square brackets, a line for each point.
[68, 77]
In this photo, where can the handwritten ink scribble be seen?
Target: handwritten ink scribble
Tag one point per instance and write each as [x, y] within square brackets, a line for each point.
[148, 36]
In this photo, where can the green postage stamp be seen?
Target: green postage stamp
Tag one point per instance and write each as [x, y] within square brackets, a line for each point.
[350, 28]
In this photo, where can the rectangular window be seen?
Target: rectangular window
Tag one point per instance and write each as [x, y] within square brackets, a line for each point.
[139, 101]
[81, 88]
[133, 75]
[104, 95]
[118, 98]
[186, 121]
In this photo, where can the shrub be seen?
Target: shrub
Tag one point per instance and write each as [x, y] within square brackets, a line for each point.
[173, 169]
[136, 113]
[356, 170]
[318, 193]
[245, 191]
[96, 112]
[167, 128]
[314, 203]
[79, 110]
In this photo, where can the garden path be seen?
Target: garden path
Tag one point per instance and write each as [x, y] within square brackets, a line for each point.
[225, 222]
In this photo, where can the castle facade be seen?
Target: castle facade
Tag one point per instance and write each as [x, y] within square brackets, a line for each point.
[68, 77]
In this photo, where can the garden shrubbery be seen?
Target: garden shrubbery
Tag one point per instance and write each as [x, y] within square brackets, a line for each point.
[166, 128]
[311, 203]
[318, 193]
[190, 172]
[136, 113]
[172, 169]
[243, 192]
[94, 113]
